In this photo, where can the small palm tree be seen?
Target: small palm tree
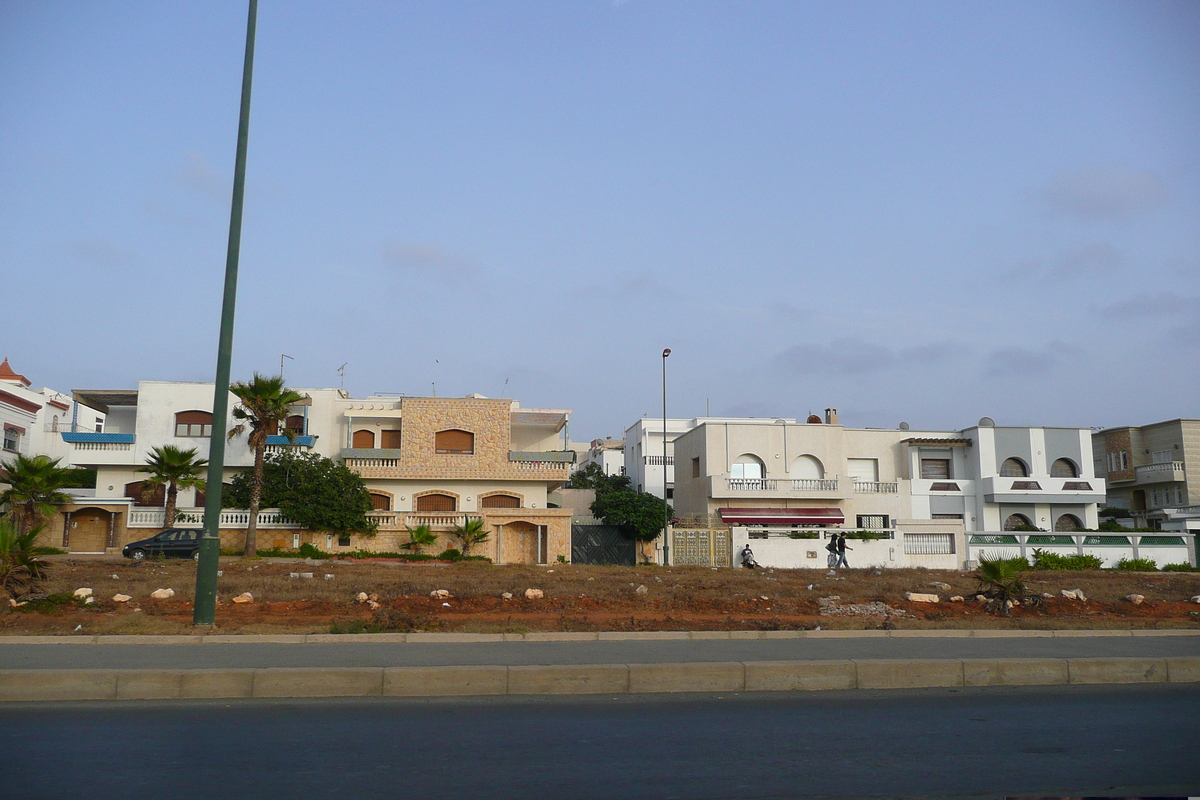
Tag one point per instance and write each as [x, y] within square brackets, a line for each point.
[470, 533]
[177, 469]
[20, 569]
[1002, 580]
[265, 402]
[35, 485]
[420, 536]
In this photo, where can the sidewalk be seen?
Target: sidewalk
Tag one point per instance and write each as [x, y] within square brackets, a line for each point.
[427, 664]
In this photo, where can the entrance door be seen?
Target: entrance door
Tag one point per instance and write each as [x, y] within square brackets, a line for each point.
[89, 531]
[520, 543]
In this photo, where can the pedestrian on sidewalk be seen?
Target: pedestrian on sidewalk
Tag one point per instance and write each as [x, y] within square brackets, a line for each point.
[841, 551]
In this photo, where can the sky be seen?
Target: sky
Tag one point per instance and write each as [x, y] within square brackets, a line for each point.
[924, 212]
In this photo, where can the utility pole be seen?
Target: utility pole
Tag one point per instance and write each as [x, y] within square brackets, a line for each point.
[205, 608]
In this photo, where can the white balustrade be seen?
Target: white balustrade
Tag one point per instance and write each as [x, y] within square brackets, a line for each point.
[815, 484]
[110, 446]
[194, 517]
[359, 463]
[875, 487]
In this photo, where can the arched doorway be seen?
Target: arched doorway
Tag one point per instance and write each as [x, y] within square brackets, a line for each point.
[523, 543]
[1068, 522]
[89, 530]
[1016, 521]
[807, 468]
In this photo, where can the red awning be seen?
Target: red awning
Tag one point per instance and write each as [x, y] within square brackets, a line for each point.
[782, 516]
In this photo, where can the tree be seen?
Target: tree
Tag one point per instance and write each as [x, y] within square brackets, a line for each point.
[314, 491]
[420, 536]
[20, 569]
[639, 515]
[587, 477]
[35, 486]
[470, 533]
[1002, 580]
[177, 469]
[265, 402]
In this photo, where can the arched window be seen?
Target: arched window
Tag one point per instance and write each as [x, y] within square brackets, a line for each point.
[454, 441]
[500, 501]
[1064, 468]
[437, 502]
[1014, 468]
[364, 440]
[807, 467]
[380, 502]
[146, 494]
[1068, 522]
[1016, 522]
[749, 469]
[193, 423]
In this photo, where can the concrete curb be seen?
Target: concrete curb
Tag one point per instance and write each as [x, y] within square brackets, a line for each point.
[750, 676]
[602, 636]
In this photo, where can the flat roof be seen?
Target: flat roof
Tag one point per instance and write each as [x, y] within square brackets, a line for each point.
[101, 399]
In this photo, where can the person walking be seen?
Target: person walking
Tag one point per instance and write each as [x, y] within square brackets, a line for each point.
[841, 551]
[832, 547]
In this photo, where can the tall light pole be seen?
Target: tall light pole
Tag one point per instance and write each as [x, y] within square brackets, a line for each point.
[666, 506]
[281, 358]
[204, 609]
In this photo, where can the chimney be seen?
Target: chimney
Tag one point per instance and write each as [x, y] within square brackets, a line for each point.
[831, 416]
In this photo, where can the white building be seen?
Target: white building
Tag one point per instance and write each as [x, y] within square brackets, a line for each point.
[608, 454]
[33, 419]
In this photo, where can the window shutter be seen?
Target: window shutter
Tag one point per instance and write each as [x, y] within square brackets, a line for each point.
[933, 469]
[454, 441]
[501, 501]
[436, 503]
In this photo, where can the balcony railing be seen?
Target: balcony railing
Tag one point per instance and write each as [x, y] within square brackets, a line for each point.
[875, 487]
[775, 485]
[108, 446]
[194, 518]
[399, 520]
[658, 461]
[1155, 473]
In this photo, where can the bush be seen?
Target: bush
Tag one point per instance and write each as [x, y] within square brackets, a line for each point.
[1137, 565]
[1057, 561]
[308, 550]
[1180, 568]
[451, 554]
[47, 551]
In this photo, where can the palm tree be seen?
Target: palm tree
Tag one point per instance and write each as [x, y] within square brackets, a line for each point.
[1002, 580]
[420, 536]
[265, 402]
[178, 469]
[471, 532]
[35, 485]
[19, 567]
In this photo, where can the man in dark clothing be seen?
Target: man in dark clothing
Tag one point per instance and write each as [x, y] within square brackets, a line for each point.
[841, 551]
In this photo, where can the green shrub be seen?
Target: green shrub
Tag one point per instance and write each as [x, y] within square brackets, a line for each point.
[47, 551]
[1029, 528]
[864, 536]
[308, 550]
[1184, 567]
[802, 534]
[1057, 561]
[1137, 565]
[451, 554]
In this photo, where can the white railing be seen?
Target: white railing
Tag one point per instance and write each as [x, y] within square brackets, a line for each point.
[194, 518]
[67, 427]
[359, 463]
[1157, 470]
[539, 466]
[815, 484]
[111, 446]
[875, 487]
[773, 485]
[657, 461]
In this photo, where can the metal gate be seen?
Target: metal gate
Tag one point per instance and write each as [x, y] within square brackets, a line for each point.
[701, 547]
[602, 544]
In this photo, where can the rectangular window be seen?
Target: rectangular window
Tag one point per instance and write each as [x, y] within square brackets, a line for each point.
[935, 468]
[1124, 459]
[12, 440]
[864, 470]
[343, 541]
[873, 521]
[947, 516]
[1160, 457]
[696, 467]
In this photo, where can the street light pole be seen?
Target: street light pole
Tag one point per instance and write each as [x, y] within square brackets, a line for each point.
[666, 506]
[204, 609]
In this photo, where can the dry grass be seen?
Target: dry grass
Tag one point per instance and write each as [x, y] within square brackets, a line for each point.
[576, 598]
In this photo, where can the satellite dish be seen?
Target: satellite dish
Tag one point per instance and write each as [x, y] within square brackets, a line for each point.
[813, 419]
[987, 422]
[903, 426]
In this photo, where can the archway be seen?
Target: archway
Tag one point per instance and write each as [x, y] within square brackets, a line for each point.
[1016, 521]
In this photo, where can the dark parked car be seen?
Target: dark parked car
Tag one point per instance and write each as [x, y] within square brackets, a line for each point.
[181, 542]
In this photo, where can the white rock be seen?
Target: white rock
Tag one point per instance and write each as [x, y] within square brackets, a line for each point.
[641, 589]
[1047, 595]
[244, 597]
[374, 597]
[945, 587]
[328, 576]
[763, 597]
[220, 572]
[958, 598]
[84, 592]
[506, 595]
[1136, 599]
[980, 598]
[121, 598]
[446, 605]
[1195, 599]
[534, 594]
[293, 575]
[87, 601]
[306, 574]
[371, 604]
[440, 594]
[162, 594]
[920, 597]
[361, 597]
[1069, 594]
[116, 577]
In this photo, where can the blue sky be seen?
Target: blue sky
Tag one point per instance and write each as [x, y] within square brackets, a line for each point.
[925, 212]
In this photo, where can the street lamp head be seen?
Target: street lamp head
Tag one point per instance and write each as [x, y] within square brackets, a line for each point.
[666, 352]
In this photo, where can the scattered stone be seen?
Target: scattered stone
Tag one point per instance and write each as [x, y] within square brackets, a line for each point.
[244, 597]
[764, 597]
[1009, 603]
[1048, 595]
[958, 598]
[1195, 599]
[87, 601]
[980, 598]
[829, 607]
[439, 594]
[1136, 599]
[1012, 603]
[549, 571]
[83, 592]
[328, 576]
[642, 589]
[162, 594]
[831, 572]
[121, 598]
[371, 604]
[1074, 594]
[534, 594]
[220, 572]
[921, 597]
[810, 587]
[375, 597]
[294, 575]
[361, 597]
[447, 605]
[116, 577]
[306, 574]
[506, 595]
[945, 587]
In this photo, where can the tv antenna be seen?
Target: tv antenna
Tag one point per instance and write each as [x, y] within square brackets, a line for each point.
[341, 371]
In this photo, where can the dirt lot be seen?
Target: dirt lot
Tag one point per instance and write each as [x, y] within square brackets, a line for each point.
[577, 598]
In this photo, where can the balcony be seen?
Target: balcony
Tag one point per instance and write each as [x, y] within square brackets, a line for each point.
[194, 518]
[1168, 472]
[404, 520]
[1042, 490]
[721, 486]
[553, 465]
[876, 487]
[100, 448]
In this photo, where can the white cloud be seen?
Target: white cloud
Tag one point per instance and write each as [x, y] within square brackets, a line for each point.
[1105, 193]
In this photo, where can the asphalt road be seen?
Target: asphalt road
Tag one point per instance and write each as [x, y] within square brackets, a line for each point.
[351, 654]
[1111, 741]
